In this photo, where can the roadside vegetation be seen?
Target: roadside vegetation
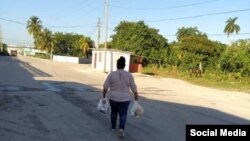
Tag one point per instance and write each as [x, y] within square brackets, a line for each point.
[67, 44]
[209, 79]
[210, 63]
[193, 57]
[41, 56]
[3, 49]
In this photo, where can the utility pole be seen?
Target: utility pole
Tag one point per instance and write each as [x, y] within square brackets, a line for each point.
[52, 44]
[106, 34]
[99, 32]
[51, 52]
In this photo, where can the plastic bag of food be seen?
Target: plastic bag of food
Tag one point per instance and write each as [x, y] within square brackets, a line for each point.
[136, 110]
[103, 105]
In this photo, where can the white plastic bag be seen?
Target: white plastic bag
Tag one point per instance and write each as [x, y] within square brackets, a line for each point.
[136, 109]
[103, 105]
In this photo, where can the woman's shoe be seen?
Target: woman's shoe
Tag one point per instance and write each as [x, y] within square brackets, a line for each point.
[121, 133]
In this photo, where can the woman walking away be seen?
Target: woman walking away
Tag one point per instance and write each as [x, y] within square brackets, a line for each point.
[119, 83]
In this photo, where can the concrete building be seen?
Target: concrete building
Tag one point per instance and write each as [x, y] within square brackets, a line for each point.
[32, 51]
[16, 49]
[24, 50]
[111, 59]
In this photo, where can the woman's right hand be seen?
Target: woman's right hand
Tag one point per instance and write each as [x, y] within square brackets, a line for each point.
[103, 101]
[136, 98]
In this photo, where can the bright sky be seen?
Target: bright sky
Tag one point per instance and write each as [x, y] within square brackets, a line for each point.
[81, 16]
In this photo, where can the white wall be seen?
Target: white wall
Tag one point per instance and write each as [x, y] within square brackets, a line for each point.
[108, 61]
[93, 59]
[99, 64]
[34, 51]
[31, 51]
[111, 60]
[116, 56]
[66, 59]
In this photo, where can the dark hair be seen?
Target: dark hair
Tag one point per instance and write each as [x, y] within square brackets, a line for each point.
[121, 63]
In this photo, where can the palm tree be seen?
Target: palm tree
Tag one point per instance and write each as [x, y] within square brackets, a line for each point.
[84, 45]
[34, 26]
[45, 40]
[231, 27]
[184, 32]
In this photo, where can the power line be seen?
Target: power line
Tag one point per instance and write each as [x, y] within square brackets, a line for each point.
[17, 39]
[81, 5]
[13, 21]
[86, 14]
[195, 16]
[232, 34]
[165, 8]
[56, 26]
[216, 34]
[74, 7]
[73, 26]
[160, 20]
[91, 32]
[198, 16]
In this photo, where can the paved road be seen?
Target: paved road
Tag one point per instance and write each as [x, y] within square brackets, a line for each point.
[41, 100]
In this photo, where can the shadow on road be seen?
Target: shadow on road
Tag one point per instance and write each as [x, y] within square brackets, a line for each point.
[32, 70]
[66, 111]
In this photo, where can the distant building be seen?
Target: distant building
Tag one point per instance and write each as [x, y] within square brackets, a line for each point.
[21, 50]
[32, 51]
[12, 48]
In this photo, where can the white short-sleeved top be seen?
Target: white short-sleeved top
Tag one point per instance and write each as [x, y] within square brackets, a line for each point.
[120, 83]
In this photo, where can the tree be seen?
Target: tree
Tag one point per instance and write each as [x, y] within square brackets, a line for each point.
[141, 40]
[237, 60]
[84, 45]
[231, 27]
[34, 26]
[103, 45]
[185, 32]
[69, 44]
[45, 40]
[4, 50]
[199, 49]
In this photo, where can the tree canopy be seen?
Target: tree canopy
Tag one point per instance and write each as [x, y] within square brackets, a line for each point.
[34, 26]
[70, 44]
[141, 40]
[199, 49]
[84, 45]
[237, 59]
[190, 31]
[3, 50]
[45, 40]
[60, 43]
[231, 26]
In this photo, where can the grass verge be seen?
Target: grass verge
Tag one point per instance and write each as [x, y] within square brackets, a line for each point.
[209, 79]
[41, 56]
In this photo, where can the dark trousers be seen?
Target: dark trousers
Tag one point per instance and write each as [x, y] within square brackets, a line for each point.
[122, 109]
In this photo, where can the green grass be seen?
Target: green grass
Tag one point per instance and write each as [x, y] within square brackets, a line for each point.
[41, 56]
[209, 79]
